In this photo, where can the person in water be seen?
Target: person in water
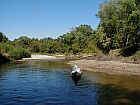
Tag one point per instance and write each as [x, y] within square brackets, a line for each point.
[76, 69]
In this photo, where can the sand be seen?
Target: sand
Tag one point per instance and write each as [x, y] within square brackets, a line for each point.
[110, 67]
[43, 57]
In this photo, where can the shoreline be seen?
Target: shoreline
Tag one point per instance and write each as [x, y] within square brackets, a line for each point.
[108, 67]
[111, 67]
[43, 57]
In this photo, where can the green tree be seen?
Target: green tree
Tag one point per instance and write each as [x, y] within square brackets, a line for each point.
[119, 26]
[77, 40]
[23, 41]
[3, 38]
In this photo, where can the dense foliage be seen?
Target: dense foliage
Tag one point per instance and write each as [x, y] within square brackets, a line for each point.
[10, 50]
[80, 40]
[119, 26]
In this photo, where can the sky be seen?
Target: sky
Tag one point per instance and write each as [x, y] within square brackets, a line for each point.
[46, 18]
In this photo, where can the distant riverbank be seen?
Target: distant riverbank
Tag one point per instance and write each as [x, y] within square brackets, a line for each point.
[93, 64]
[43, 57]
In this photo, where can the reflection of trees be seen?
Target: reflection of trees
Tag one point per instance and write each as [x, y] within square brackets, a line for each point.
[76, 79]
[3, 59]
[3, 69]
[50, 64]
[114, 95]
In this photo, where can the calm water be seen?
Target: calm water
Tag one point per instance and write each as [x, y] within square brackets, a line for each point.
[50, 83]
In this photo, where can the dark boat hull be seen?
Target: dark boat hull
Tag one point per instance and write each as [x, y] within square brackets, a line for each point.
[76, 76]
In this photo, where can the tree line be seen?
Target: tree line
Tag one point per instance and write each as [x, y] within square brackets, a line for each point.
[79, 40]
[119, 28]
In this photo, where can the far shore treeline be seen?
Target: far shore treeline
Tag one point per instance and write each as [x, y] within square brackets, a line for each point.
[117, 32]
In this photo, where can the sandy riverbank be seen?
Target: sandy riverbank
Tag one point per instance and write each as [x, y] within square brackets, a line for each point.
[44, 57]
[110, 67]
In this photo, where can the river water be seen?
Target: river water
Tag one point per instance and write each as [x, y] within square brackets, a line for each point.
[50, 83]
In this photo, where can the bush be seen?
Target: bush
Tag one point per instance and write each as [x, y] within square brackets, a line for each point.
[19, 53]
[3, 58]
[136, 56]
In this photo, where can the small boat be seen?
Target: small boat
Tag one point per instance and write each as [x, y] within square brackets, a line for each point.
[76, 72]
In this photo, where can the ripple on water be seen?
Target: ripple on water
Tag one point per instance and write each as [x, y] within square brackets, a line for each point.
[49, 83]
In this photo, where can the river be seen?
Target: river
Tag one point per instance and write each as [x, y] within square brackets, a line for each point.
[50, 83]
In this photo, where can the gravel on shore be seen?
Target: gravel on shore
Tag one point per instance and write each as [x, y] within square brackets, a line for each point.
[110, 67]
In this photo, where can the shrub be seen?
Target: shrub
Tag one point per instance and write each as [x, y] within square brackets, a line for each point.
[3, 58]
[136, 56]
[19, 53]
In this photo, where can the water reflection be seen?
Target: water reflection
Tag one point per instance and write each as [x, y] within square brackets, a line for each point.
[76, 79]
[114, 95]
[116, 89]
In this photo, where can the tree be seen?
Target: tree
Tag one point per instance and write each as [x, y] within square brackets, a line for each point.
[23, 41]
[3, 38]
[119, 26]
